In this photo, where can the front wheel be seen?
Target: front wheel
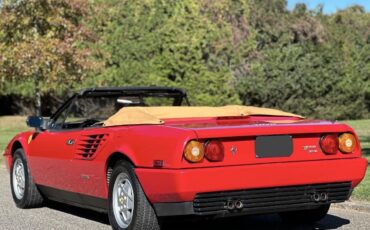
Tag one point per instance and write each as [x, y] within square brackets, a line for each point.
[306, 216]
[129, 208]
[24, 191]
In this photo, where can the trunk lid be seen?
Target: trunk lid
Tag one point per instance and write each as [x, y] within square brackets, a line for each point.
[239, 139]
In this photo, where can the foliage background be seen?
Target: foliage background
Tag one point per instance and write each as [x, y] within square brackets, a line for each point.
[253, 52]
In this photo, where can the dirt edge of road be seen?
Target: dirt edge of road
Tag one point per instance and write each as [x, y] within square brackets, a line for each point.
[362, 206]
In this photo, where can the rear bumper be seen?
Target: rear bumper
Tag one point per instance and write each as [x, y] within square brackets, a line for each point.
[259, 201]
[181, 186]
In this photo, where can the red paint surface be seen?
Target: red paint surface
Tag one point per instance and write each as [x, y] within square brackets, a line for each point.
[182, 185]
[54, 163]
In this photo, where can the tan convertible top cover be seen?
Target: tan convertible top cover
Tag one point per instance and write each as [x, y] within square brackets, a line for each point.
[154, 115]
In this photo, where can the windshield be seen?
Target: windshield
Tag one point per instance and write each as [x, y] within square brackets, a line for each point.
[93, 110]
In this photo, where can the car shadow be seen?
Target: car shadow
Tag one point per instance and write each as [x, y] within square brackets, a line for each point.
[260, 222]
[80, 212]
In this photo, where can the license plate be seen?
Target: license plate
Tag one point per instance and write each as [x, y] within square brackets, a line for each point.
[273, 146]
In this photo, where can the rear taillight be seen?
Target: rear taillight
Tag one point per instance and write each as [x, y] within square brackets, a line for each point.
[329, 144]
[347, 143]
[194, 151]
[214, 150]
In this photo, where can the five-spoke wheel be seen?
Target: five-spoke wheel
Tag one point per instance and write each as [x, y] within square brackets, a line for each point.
[19, 180]
[24, 191]
[128, 205]
[123, 201]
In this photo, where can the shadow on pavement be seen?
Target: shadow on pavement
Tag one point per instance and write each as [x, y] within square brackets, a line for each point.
[260, 222]
[80, 212]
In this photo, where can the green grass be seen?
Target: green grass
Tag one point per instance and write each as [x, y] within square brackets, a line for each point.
[11, 125]
[362, 192]
[362, 128]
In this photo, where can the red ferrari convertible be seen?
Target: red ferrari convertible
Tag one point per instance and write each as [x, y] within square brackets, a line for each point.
[143, 153]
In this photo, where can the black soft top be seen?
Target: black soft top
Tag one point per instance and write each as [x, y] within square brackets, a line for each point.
[134, 91]
[150, 91]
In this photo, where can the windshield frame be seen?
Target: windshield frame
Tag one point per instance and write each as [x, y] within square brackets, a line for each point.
[178, 95]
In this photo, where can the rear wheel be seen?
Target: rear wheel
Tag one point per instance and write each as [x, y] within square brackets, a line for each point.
[24, 191]
[129, 208]
[306, 216]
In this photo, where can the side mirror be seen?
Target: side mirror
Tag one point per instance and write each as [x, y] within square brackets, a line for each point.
[36, 122]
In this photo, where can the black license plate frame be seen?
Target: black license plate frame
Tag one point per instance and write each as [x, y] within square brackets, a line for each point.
[274, 146]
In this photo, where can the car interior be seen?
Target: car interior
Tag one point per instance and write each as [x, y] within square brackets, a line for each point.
[91, 109]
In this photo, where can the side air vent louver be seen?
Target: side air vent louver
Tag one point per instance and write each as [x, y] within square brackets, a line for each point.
[88, 145]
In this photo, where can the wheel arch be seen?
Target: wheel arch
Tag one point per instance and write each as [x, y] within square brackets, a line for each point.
[112, 160]
[16, 145]
[18, 142]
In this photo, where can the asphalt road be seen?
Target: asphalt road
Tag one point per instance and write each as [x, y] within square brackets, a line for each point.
[60, 216]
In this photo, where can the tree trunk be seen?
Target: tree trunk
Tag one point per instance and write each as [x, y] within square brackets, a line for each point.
[38, 93]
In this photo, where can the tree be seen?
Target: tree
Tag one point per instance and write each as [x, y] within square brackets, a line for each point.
[255, 52]
[307, 62]
[42, 45]
[190, 44]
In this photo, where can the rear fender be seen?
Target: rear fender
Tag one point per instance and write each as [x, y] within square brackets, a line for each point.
[126, 152]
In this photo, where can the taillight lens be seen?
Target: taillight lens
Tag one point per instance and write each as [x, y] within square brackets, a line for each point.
[329, 144]
[214, 150]
[347, 143]
[194, 151]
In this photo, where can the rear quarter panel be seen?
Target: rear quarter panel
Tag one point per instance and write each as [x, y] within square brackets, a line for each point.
[144, 144]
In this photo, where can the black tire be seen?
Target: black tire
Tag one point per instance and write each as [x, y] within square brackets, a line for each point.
[31, 197]
[306, 216]
[143, 217]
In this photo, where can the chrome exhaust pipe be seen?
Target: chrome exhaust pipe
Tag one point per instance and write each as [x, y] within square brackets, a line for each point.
[230, 205]
[316, 197]
[239, 204]
[324, 196]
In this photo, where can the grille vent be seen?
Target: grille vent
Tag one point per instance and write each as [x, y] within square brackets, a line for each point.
[88, 145]
[270, 200]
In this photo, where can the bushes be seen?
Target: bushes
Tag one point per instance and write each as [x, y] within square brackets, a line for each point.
[222, 52]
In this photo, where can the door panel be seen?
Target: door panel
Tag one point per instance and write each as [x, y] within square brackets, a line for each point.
[90, 173]
[66, 160]
[51, 155]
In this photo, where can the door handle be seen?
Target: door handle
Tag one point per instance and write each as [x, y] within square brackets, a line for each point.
[70, 142]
